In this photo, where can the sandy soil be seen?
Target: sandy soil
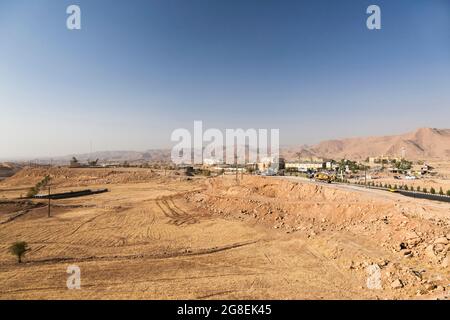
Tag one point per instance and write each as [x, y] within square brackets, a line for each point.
[169, 237]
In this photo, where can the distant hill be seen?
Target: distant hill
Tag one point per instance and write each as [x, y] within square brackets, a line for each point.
[424, 143]
[8, 169]
[155, 155]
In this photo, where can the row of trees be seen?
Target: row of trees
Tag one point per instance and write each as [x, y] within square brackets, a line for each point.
[41, 184]
[406, 188]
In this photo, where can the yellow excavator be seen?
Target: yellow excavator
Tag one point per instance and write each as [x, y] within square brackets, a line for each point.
[324, 177]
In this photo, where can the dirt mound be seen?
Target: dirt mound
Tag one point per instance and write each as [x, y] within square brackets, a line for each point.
[316, 209]
[8, 169]
[282, 190]
[68, 177]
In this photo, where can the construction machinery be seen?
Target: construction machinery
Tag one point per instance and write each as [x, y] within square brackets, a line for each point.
[324, 177]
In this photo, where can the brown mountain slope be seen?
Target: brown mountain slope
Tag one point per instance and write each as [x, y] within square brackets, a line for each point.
[424, 143]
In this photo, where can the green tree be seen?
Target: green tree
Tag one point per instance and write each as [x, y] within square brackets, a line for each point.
[441, 192]
[432, 191]
[32, 192]
[403, 164]
[418, 188]
[18, 249]
[425, 190]
[41, 184]
[448, 193]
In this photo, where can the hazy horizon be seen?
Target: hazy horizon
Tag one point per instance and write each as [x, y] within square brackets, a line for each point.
[136, 72]
[94, 153]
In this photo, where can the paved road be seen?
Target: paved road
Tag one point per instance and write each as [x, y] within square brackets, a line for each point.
[375, 192]
[339, 186]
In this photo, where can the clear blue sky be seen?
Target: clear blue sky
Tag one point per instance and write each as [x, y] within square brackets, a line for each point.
[140, 69]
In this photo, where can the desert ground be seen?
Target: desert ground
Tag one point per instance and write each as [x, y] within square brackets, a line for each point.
[162, 235]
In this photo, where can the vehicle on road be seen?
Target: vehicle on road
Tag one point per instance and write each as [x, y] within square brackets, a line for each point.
[324, 177]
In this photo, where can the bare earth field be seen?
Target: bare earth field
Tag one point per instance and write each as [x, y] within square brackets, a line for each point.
[169, 237]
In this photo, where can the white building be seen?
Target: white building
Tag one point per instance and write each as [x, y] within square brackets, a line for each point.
[303, 166]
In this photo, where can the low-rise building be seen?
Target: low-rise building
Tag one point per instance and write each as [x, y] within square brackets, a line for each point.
[208, 162]
[304, 166]
[270, 162]
[383, 159]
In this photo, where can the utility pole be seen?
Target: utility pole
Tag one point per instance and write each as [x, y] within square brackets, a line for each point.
[48, 200]
[365, 176]
[49, 183]
[236, 167]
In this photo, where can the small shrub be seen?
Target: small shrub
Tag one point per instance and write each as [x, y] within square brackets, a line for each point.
[32, 192]
[18, 249]
[441, 192]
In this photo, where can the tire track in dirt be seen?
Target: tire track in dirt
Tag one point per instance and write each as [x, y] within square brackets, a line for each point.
[41, 289]
[215, 294]
[177, 254]
[176, 215]
[341, 280]
[86, 222]
[18, 214]
[15, 216]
